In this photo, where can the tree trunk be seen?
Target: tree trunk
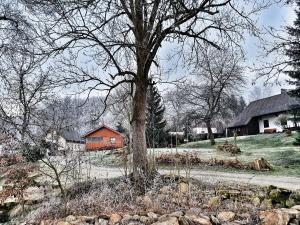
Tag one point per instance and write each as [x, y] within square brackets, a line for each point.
[210, 133]
[141, 169]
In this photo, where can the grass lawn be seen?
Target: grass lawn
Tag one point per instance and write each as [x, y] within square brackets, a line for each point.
[275, 148]
[278, 149]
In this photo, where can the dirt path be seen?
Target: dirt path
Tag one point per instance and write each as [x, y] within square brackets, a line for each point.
[292, 183]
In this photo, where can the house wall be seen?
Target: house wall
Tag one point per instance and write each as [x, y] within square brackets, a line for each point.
[274, 123]
[75, 146]
[203, 130]
[57, 139]
[105, 143]
[63, 144]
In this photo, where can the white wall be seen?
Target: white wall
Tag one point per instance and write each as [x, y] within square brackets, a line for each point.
[274, 123]
[203, 130]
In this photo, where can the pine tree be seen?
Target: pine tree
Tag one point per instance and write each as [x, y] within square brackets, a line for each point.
[155, 122]
[242, 104]
[293, 52]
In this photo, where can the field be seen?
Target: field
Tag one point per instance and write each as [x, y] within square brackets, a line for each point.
[277, 149]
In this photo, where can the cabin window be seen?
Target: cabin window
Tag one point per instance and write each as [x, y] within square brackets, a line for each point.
[112, 140]
[266, 123]
[283, 122]
[94, 139]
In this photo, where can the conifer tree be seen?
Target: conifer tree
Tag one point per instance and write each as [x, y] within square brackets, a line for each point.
[155, 122]
[293, 52]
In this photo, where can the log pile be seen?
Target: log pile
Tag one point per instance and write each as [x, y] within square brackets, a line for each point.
[260, 165]
[230, 148]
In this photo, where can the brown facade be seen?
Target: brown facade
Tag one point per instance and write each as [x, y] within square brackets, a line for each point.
[103, 138]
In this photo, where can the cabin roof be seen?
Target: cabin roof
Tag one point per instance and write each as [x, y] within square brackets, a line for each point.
[265, 106]
[100, 128]
[72, 136]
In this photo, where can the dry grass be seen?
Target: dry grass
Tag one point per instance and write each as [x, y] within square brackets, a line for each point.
[103, 197]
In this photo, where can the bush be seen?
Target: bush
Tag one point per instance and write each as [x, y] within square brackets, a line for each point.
[35, 153]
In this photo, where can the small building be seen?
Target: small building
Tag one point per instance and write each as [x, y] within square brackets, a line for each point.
[66, 140]
[203, 130]
[267, 115]
[103, 138]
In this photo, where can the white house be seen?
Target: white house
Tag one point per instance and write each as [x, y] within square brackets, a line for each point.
[66, 140]
[267, 115]
[203, 130]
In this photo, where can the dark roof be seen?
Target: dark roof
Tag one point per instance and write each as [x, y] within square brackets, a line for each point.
[72, 136]
[99, 128]
[265, 106]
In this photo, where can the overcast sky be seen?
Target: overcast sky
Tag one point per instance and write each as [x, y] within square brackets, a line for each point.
[276, 16]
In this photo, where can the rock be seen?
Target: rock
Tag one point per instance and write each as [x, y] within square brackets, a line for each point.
[114, 218]
[34, 194]
[183, 188]
[278, 196]
[214, 220]
[214, 201]
[256, 201]
[193, 211]
[17, 210]
[63, 223]
[267, 204]
[199, 220]
[176, 214]
[145, 219]
[167, 221]
[101, 222]
[70, 218]
[297, 207]
[165, 189]
[226, 216]
[145, 201]
[152, 215]
[278, 216]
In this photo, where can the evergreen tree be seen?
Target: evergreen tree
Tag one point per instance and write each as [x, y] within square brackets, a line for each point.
[293, 52]
[242, 104]
[120, 128]
[155, 122]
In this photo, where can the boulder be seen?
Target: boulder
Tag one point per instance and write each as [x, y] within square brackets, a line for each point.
[34, 194]
[199, 220]
[70, 218]
[63, 223]
[214, 201]
[167, 221]
[279, 216]
[226, 216]
[114, 218]
[297, 207]
[152, 215]
[183, 188]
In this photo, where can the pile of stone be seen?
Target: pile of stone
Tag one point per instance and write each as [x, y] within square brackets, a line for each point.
[280, 197]
[192, 216]
[230, 148]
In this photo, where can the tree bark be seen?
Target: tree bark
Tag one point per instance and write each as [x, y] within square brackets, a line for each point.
[210, 133]
[141, 169]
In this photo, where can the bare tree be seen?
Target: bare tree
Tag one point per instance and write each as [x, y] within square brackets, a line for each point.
[123, 37]
[218, 74]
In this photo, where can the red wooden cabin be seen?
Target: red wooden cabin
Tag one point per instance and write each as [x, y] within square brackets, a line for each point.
[103, 138]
